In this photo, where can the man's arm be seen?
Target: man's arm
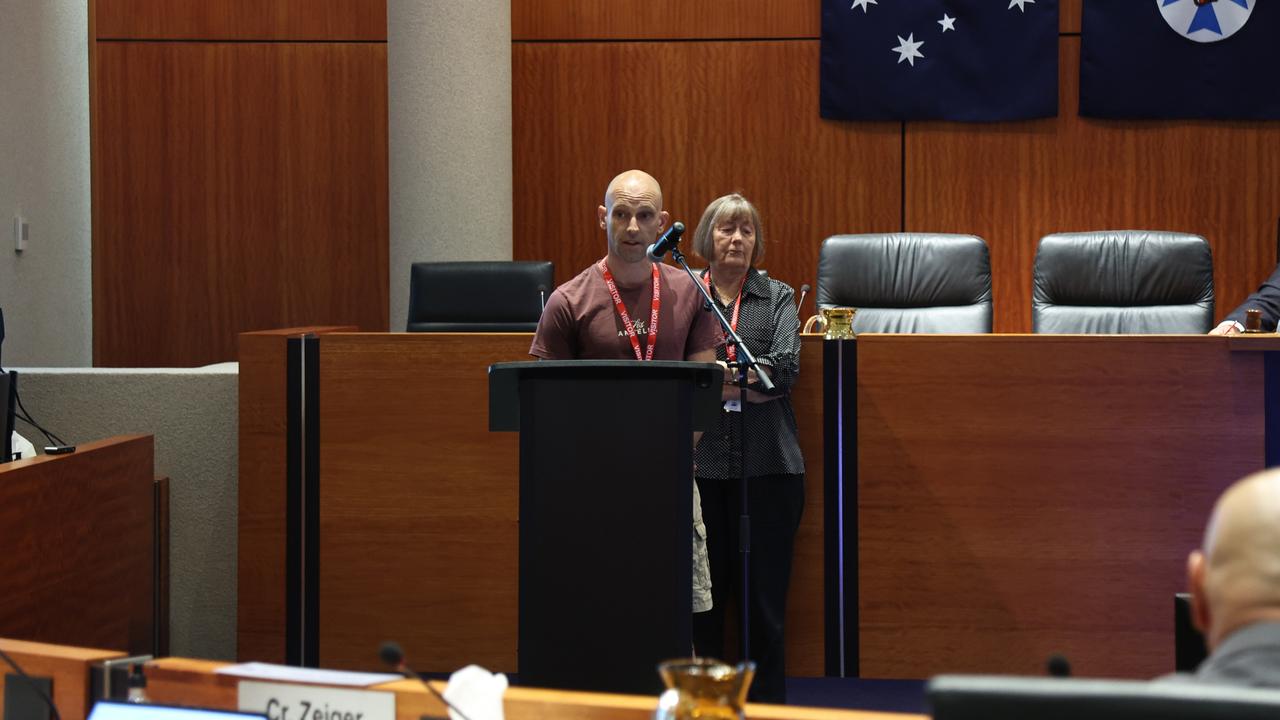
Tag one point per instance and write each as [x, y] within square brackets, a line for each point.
[1266, 299]
[555, 337]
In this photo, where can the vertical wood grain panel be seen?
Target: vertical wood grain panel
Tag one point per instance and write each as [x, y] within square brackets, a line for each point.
[418, 533]
[663, 19]
[1069, 13]
[1012, 183]
[238, 187]
[806, 602]
[260, 561]
[242, 19]
[705, 119]
[1023, 496]
[263, 428]
[679, 19]
[419, 528]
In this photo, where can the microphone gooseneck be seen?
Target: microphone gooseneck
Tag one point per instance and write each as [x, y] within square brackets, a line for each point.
[669, 240]
[804, 290]
[542, 298]
[393, 655]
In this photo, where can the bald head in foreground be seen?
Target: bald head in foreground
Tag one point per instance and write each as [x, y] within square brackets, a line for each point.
[1235, 584]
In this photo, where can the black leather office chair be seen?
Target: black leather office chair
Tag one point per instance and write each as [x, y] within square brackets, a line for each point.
[908, 282]
[996, 697]
[1129, 281]
[478, 296]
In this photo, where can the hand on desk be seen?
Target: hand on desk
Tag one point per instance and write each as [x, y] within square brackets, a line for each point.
[1226, 327]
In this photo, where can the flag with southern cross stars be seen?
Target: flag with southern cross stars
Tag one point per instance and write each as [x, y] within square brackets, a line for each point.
[1213, 59]
[967, 60]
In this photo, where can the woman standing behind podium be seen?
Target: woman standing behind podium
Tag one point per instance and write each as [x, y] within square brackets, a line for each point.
[763, 310]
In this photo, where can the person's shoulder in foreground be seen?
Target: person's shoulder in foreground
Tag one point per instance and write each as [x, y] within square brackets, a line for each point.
[1234, 580]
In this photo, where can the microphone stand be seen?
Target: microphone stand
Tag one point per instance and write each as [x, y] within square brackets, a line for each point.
[745, 362]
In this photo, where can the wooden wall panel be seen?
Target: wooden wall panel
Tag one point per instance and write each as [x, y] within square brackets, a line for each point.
[683, 20]
[237, 186]
[418, 529]
[242, 19]
[663, 19]
[1024, 496]
[705, 119]
[1013, 183]
[1069, 15]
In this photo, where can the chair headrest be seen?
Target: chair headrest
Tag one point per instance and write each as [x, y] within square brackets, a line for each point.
[903, 270]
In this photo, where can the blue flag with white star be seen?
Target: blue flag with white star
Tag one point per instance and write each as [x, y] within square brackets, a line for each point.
[1208, 59]
[966, 60]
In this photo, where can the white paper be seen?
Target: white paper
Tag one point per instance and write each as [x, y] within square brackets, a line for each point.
[313, 676]
[476, 692]
[308, 702]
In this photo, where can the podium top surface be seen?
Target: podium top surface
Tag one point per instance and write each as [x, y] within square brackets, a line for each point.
[504, 383]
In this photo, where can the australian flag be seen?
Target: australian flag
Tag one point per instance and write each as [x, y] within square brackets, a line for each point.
[967, 60]
[1180, 59]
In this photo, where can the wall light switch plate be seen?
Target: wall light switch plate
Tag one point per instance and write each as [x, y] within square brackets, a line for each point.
[21, 233]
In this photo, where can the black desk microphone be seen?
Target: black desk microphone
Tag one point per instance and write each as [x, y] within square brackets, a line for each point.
[393, 656]
[1058, 666]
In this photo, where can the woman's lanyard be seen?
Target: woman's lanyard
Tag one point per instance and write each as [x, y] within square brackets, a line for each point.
[730, 350]
[654, 306]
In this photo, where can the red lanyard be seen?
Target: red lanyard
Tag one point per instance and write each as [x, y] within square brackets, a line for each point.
[730, 350]
[655, 304]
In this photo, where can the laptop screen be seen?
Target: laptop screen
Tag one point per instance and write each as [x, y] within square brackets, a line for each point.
[112, 710]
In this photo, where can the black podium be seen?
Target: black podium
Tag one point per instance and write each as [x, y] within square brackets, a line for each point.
[606, 488]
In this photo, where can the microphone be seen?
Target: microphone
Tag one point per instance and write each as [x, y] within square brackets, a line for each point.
[393, 656]
[804, 290]
[667, 242]
[542, 300]
[1058, 666]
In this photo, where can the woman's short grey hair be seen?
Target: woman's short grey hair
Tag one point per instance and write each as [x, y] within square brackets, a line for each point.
[725, 208]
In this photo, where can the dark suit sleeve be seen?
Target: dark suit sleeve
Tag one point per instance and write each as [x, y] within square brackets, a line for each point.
[1266, 299]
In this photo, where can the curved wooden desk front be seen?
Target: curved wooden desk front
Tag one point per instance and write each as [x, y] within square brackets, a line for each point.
[1004, 497]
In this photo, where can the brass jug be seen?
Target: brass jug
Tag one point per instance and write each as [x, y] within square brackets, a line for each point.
[836, 323]
[703, 688]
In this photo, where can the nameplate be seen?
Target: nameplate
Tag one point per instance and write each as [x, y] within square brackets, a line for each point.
[308, 702]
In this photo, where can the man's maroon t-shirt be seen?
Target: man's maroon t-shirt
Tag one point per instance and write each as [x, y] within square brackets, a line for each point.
[581, 323]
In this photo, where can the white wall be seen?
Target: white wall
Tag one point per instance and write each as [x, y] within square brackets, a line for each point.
[46, 292]
[449, 87]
